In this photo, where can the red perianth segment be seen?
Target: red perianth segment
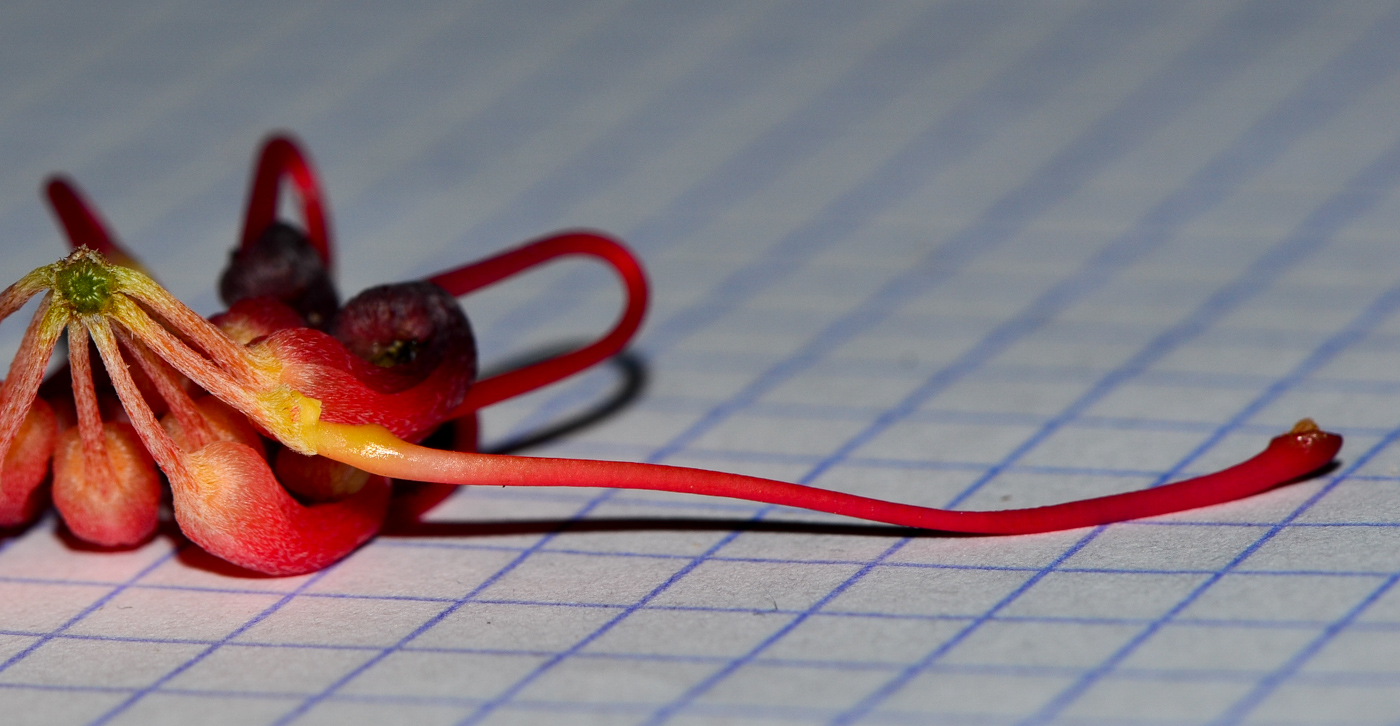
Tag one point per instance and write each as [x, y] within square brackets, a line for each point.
[490, 271]
[282, 157]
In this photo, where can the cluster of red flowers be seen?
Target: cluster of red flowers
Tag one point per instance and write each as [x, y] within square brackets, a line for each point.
[282, 424]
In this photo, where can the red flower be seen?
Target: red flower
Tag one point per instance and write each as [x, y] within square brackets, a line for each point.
[341, 394]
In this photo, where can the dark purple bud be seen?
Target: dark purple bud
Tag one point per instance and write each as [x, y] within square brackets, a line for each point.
[408, 329]
[283, 265]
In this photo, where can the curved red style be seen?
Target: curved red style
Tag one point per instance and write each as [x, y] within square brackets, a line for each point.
[1295, 454]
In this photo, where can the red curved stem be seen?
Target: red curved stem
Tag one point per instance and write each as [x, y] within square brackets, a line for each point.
[282, 157]
[487, 272]
[1290, 456]
[82, 223]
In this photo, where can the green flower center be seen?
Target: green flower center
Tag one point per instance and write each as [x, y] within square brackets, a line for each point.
[86, 285]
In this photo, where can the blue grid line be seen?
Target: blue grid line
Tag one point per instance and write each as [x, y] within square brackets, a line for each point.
[1343, 385]
[511, 119]
[724, 78]
[1374, 315]
[1247, 676]
[141, 693]
[48, 687]
[906, 674]
[1129, 122]
[579, 25]
[159, 113]
[1069, 53]
[761, 560]
[1347, 202]
[1363, 680]
[1282, 263]
[1159, 378]
[383, 185]
[966, 127]
[1361, 193]
[955, 416]
[1320, 98]
[171, 219]
[1138, 123]
[947, 30]
[764, 160]
[658, 124]
[307, 704]
[867, 368]
[1356, 678]
[1195, 623]
[718, 558]
[1267, 685]
[1063, 700]
[1083, 40]
[664, 713]
[14, 206]
[95, 606]
[484, 710]
[1259, 276]
[1206, 623]
[1362, 574]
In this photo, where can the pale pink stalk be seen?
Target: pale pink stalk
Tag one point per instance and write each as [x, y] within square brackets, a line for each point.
[95, 460]
[193, 424]
[23, 470]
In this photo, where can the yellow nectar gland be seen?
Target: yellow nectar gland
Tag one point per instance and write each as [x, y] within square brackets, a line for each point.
[291, 417]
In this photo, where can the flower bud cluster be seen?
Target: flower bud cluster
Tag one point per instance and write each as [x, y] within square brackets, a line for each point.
[230, 409]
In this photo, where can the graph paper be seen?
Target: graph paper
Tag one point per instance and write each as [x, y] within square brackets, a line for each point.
[961, 254]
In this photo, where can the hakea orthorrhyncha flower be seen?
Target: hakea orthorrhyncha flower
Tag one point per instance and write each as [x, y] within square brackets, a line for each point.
[401, 356]
[343, 409]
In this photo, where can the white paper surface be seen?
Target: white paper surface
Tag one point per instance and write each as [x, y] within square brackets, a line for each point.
[976, 254]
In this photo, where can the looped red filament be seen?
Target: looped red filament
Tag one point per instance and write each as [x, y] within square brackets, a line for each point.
[477, 275]
[280, 158]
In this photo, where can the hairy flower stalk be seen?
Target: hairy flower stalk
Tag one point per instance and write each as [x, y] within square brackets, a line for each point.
[104, 481]
[27, 426]
[227, 499]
